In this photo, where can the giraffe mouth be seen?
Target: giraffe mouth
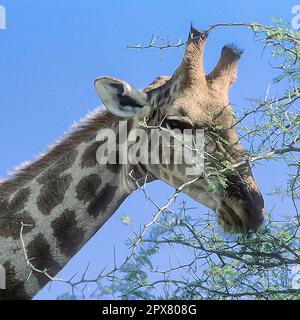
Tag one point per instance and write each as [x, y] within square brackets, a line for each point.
[237, 217]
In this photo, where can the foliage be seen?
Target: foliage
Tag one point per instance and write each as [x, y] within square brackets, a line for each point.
[260, 265]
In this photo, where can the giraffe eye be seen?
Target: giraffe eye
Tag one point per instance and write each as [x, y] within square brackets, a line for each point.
[178, 123]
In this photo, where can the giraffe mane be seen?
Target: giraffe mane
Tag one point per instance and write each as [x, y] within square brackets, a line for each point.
[83, 130]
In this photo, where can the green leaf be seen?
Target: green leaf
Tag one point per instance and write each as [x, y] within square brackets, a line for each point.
[126, 220]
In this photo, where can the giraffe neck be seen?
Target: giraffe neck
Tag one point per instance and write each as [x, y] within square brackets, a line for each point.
[61, 209]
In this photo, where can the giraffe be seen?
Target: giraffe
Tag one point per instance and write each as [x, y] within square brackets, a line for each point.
[64, 197]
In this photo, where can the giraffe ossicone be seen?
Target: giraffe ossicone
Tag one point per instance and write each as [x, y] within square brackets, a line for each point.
[67, 194]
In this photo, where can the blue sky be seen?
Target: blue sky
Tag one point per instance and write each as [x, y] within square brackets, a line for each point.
[52, 50]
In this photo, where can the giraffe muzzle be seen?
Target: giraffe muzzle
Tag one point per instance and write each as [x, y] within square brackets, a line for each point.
[240, 216]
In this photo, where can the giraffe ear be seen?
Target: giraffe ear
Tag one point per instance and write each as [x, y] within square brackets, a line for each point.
[119, 97]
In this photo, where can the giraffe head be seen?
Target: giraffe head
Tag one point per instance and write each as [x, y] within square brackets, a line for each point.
[192, 100]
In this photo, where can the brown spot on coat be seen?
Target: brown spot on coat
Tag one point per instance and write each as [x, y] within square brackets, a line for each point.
[15, 289]
[59, 167]
[129, 125]
[176, 182]
[19, 200]
[115, 167]
[38, 251]
[68, 235]
[88, 159]
[87, 187]
[168, 100]
[166, 93]
[102, 200]
[11, 215]
[182, 169]
[52, 193]
[166, 176]
[10, 224]
[5, 219]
